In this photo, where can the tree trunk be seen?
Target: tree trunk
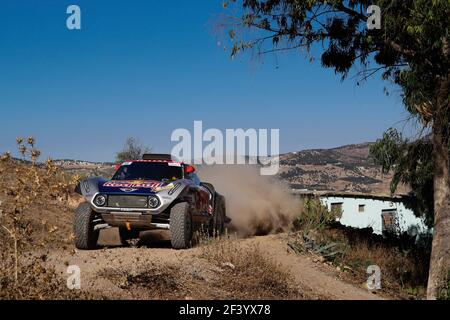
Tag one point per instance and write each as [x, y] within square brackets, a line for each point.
[440, 252]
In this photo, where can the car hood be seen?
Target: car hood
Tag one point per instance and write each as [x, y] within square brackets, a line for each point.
[133, 186]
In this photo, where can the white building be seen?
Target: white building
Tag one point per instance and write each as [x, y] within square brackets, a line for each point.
[379, 212]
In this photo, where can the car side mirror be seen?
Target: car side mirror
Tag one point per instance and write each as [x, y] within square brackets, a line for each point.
[189, 169]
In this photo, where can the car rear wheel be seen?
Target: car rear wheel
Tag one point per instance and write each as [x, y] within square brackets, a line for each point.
[181, 226]
[218, 221]
[85, 235]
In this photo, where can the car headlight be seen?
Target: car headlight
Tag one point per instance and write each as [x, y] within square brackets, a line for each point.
[100, 200]
[153, 202]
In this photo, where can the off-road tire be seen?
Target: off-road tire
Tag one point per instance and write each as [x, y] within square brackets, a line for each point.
[218, 221]
[85, 235]
[181, 228]
[208, 186]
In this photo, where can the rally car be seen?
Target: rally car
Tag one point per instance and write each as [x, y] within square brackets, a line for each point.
[153, 193]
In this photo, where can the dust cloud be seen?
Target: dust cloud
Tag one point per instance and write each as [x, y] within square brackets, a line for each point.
[256, 204]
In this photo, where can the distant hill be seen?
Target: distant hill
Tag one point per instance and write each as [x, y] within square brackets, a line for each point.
[343, 169]
[348, 168]
[86, 168]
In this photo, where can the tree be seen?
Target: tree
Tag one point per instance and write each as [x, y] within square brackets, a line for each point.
[412, 164]
[132, 150]
[411, 49]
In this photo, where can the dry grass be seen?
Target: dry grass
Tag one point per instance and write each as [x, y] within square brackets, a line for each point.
[149, 282]
[35, 216]
[403, 263]
[24, 187]
[35, 280]
[444, 293]
[403, 273]
[246, 273]
[220, 269]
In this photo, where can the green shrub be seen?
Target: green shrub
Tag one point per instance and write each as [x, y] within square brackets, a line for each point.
[314, 215]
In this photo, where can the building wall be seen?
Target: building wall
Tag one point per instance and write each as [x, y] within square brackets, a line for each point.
[371, 217]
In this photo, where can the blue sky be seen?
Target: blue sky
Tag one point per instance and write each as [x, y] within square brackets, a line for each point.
[145, 68]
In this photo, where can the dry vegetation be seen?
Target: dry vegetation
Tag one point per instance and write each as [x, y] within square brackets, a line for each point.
[222, 269]
[246, 273]
[149, 281]
[445, 291]
[25, 231]
[404, 263]
[36, 218]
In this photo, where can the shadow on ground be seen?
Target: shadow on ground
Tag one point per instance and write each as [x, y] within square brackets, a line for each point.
[150, 239]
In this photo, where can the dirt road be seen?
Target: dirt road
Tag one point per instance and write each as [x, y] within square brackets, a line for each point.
[155, 271]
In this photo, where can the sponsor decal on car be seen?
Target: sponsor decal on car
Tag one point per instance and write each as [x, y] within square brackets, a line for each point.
[174, 164]
[164, 187]
[128, 189]
[133, 184]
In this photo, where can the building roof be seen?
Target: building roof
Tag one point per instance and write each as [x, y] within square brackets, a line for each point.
[361, 195]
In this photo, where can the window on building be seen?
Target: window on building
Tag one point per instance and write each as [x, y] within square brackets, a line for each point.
[361, 207]
[336, 208]
[389, 221]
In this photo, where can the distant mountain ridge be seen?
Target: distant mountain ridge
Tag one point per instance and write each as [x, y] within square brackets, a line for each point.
[68, 162]
[86, 168]
[347, 168]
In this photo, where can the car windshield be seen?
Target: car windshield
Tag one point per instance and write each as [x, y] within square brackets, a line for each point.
[159, 171]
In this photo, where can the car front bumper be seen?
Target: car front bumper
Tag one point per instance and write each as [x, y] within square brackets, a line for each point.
[133, 220]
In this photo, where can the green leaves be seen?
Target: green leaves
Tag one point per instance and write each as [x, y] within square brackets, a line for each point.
[409, 50]
[411, 37]
[414, 30]
[412, 164]
[132, 150]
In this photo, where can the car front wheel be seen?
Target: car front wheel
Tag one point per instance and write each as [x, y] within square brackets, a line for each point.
[85, 235]
[181, 226]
